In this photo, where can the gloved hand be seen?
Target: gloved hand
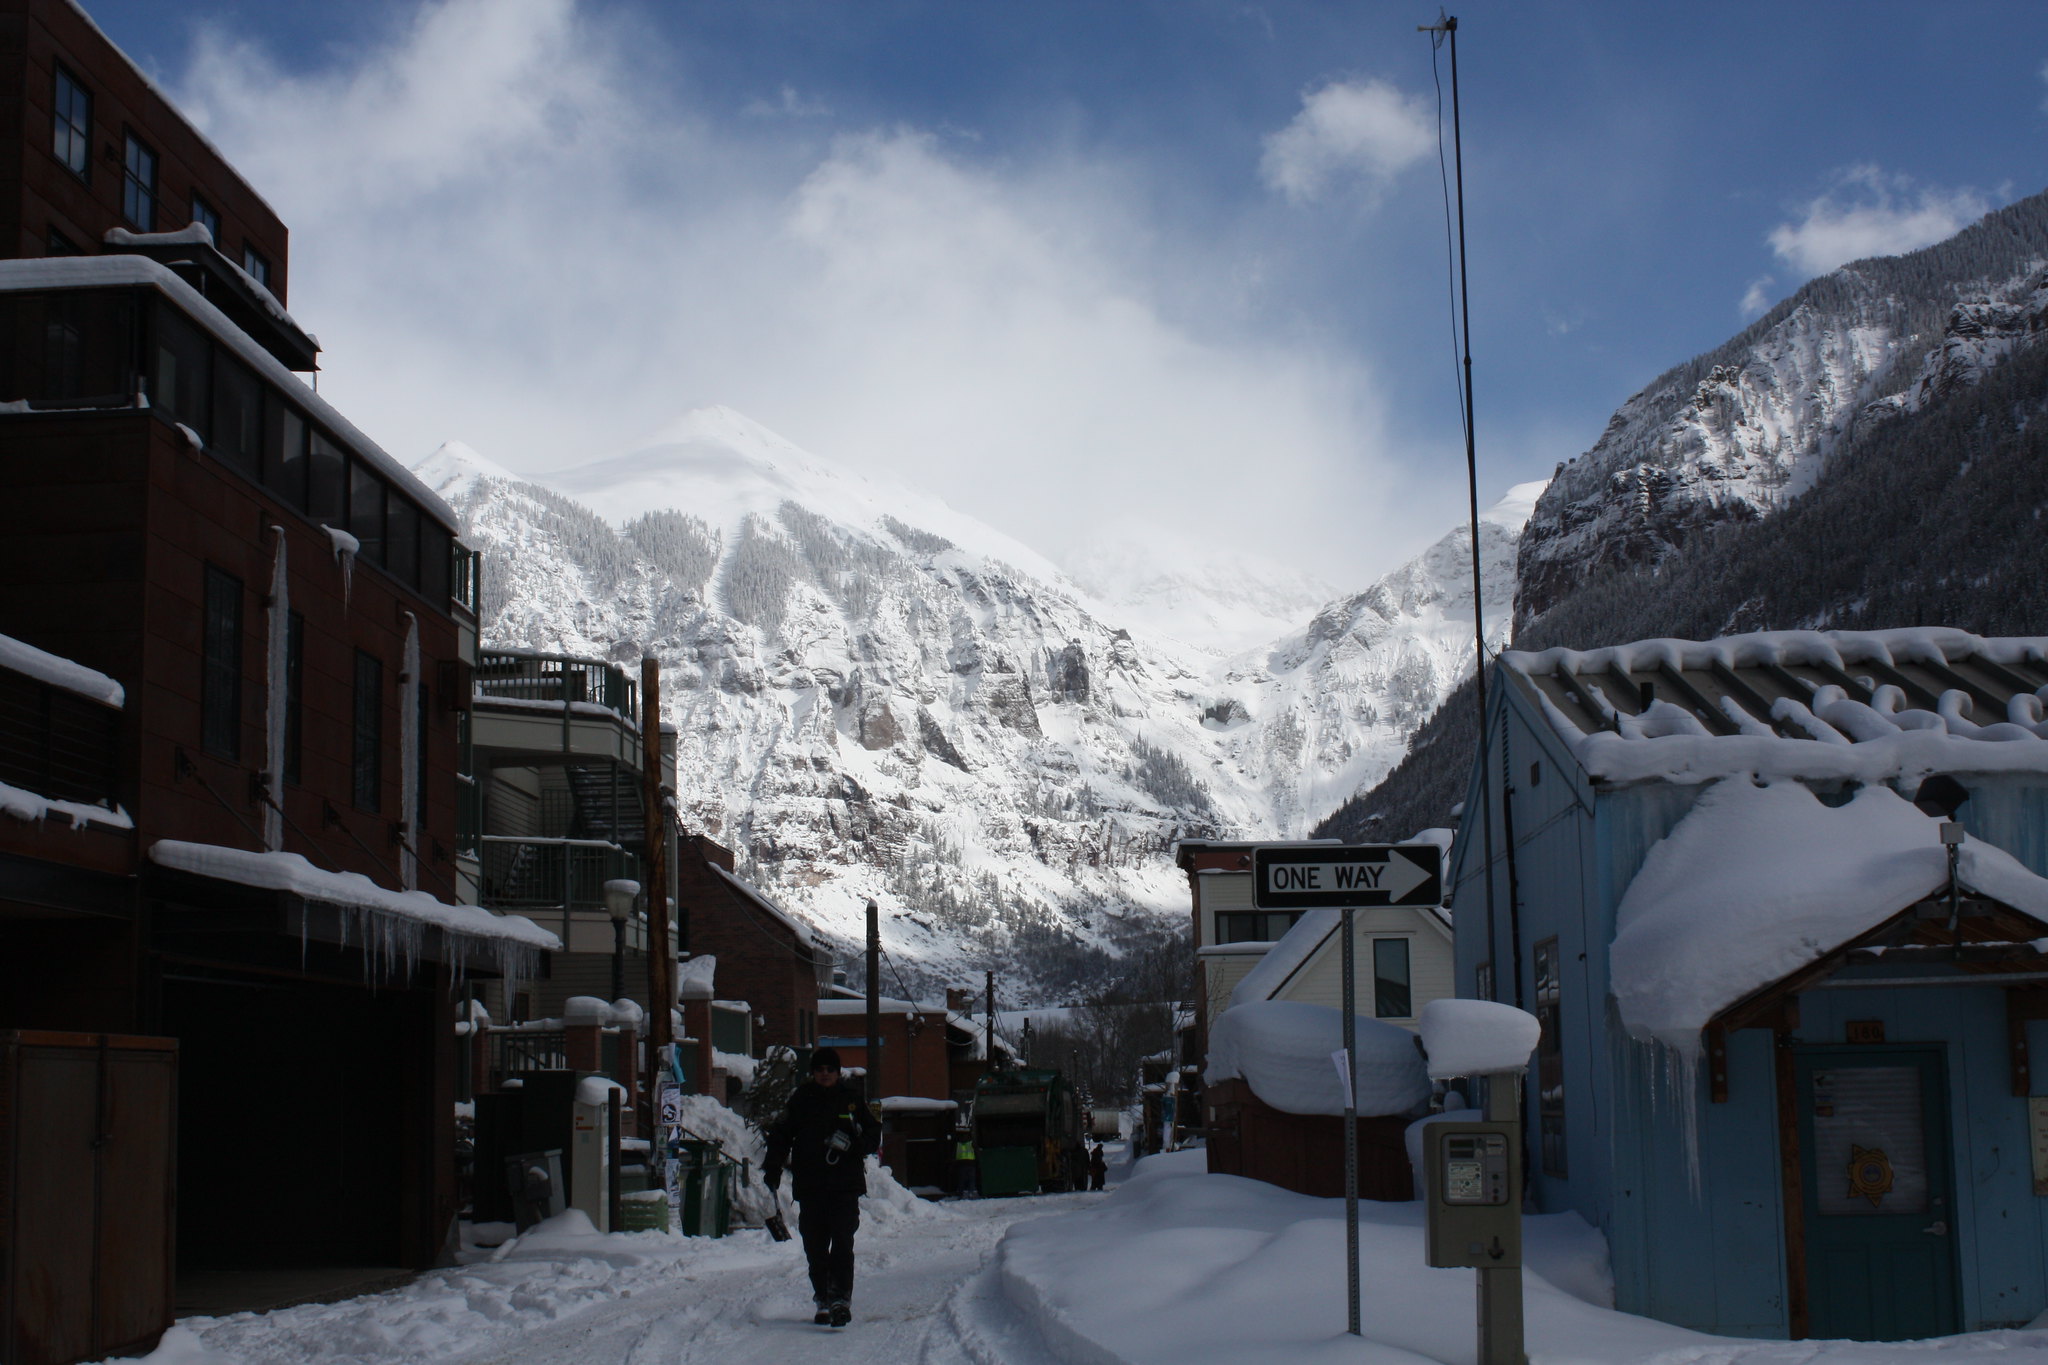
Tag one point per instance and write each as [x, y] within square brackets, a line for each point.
[773, 1176]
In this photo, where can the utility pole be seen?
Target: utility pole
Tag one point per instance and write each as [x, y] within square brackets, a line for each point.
[874, 1068]
[1350, 968]
[661, 987]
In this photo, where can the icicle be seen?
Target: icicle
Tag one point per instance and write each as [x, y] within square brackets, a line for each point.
[277, 695]
[345, 548]
[1670, 1078]
[409, 757]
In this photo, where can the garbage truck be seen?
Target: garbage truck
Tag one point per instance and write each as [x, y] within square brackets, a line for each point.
[1028, 1132]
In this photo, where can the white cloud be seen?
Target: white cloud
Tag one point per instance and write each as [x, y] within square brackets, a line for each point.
[2044, 81]
[1366, 133]
[1757, 298]
[1870, 213]
[494, 249]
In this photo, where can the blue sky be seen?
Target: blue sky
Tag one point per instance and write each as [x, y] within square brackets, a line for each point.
[1073, 263]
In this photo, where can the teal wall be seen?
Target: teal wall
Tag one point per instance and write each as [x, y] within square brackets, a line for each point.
[1708, 1252]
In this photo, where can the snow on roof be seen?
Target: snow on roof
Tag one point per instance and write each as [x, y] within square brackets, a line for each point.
[1866, 706]
[1286, 956]
[1474, 1037]
[886, 1006]
[76, 272]
[290, 872]
[761, 898]
[48, 668]
[1756, 882]
[916, 1104]
[1281, 1048]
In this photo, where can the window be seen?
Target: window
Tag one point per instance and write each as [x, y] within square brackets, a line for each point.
[180, 372]
[1254, 926]
[207, 217]
[294, 694]
[284, 451]
[326, 481]
[236, 431]
[73, 123]
[368, 756]
[60, 245]
[437, 555]
[402, 539]
[220, 676]
[1391, 998]
[73, 348]
[366, 511]
[255, 266]
[138, 185]
[1549, 1059]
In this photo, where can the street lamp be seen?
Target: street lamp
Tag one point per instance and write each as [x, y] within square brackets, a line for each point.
[619, 896]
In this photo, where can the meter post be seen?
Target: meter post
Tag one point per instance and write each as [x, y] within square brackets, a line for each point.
[1350, 1126]
[1500, 1287]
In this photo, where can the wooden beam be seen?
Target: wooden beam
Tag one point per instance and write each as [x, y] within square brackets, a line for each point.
[1792, 1181]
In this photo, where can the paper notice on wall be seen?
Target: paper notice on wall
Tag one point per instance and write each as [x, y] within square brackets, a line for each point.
[672, 1181]
[1342, 1061]
[671, 1104]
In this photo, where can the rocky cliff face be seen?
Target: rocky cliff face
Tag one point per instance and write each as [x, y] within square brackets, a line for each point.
[1734, 434]
[878, 697]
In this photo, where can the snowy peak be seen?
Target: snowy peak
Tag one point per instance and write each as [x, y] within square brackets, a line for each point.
[1219, 600]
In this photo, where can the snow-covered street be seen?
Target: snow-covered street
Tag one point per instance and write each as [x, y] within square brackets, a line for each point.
[556, 1298]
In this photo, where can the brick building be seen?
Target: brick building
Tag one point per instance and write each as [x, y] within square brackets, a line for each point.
[766, 956]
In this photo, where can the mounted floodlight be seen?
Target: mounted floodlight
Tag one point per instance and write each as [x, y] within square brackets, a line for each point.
[1941, 796]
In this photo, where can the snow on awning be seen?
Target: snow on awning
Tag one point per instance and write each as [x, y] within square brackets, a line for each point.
[49, 668]
[1860, 706]
[1756, 882]
[1281, 1049]
[349, 891]
[27, 805]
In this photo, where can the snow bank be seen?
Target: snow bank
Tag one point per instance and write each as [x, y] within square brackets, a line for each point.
[1472, 1037]
[1757, 881]
[49, 668]
[597, 1090]
[351, 890]
[1281, 1049]
[694, 976]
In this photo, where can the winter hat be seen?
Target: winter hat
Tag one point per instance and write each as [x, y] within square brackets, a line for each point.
[825, 1057]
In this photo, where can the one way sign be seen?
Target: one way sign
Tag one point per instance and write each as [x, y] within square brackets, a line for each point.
[1332, 876]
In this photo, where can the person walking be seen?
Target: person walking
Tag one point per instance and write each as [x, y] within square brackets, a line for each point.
[966, 1171]
[824, 1138]
[1098, 1168]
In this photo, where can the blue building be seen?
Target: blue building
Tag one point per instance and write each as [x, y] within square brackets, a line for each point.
[1787, 1016]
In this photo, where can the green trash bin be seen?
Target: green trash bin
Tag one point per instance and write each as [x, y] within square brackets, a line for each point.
[643, 1211]
[707, 1196]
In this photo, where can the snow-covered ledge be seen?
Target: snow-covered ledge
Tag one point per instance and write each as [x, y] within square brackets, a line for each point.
[49, 668]
[351, 891]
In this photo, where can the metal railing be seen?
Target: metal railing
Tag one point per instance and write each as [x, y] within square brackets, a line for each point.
[527, 675]
[525, 874]
[528, 1050]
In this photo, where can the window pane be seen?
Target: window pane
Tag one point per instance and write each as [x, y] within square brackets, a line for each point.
[326, 480]
[366, 511]
[255, 267]
[437, 552]
[237, 436]
[220, 679]
[138, 185]
[284, 451]
[368, 765]
[73, 142]
[1390, 979]
[204, 215]
[402, 539]
[179, 370]
[70, 349]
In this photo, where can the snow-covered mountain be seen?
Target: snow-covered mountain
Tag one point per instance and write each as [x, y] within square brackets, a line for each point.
[1218, 600]
[1736, 433]
[879, 696]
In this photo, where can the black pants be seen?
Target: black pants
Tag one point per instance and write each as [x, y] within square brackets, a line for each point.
[827, 1221]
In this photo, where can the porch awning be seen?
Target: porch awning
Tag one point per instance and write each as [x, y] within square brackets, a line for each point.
[1758, 881]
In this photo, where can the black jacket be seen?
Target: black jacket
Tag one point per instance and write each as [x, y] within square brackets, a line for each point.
[798, 1141]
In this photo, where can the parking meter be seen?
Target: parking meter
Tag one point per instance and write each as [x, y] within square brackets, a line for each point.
[1473, 1204]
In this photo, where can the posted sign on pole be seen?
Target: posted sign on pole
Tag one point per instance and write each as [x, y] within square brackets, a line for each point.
[1333, 876]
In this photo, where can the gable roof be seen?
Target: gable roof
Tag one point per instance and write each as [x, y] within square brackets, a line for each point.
[1866, 706]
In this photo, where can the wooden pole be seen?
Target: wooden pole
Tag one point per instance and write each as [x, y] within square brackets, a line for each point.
[661, 986]
[874, 1078]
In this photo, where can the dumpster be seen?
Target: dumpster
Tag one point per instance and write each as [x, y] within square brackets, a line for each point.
[644, 1211]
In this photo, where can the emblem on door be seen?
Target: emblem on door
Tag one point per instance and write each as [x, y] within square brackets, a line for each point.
[1870, 1174]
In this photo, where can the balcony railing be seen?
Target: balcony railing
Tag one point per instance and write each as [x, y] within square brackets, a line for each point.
[525, 874]
[55, 743]
[524, 675]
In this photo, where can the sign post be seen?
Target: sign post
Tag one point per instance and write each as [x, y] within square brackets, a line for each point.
[1347, 878]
